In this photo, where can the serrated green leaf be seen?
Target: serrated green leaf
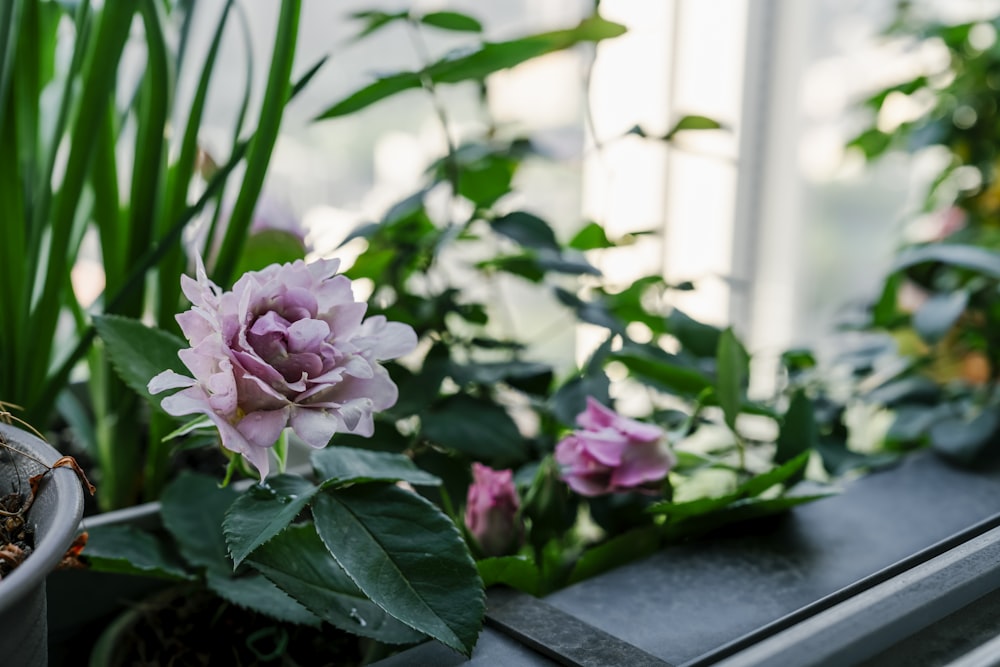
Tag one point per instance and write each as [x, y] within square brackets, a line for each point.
[263, 511]
[474, 426]
[452, 21]
[299, 564]
[733, 372]
[197, 526]
[336, 466]
[126, 549]
[257, 593]
[138, 352]
[407, 557]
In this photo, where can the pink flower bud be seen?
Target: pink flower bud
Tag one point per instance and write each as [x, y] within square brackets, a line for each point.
[491, 511]
[611, 453]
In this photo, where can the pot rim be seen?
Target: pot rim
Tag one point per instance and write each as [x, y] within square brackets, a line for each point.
[54, 531]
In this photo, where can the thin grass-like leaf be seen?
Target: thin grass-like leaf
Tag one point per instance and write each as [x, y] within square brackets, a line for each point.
[276, 95]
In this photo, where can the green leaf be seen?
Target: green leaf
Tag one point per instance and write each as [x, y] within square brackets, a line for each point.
[299, 564]
[257, 593]
[476, 66]
[375, 20]
[517, 572]
[780, 475]
[126, 549]
[571, 398]
[529, 376]
[692, 122]
[276, 95]
[733, 372]
[591, 237]
[337, 466]
[963, 440]
[664, 371]
[452, 21]
[938, 314]
[378, 90]
[197, 526]
[527, 229]
[617, 551]
[798, 430]
[263, 511]
[695, 337]
[473, 426]
[138, 352]
[871, 142]
[741, 510]
[407, 557]
[270, 246]
[974, 258]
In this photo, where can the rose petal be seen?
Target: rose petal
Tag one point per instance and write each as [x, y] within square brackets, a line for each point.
[168, 380]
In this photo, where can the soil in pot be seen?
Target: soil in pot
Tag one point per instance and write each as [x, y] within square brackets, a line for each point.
[184, 626]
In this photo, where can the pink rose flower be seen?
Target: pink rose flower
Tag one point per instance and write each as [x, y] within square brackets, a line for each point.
[288, 346]
[611, 453]
[491, 511]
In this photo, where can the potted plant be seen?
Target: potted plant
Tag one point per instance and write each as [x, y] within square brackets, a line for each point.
[42, 505]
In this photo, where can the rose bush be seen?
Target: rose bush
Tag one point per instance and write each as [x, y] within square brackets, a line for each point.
[288, 346]
[611, 453]
[492, 511]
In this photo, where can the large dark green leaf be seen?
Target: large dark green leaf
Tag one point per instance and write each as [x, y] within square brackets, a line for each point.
[138, 352]
[336, 466]
[407, 557]
[197, 526]
[263, 511]
[299, 564]
[126, 549]
[257, 593]
[476, 427]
